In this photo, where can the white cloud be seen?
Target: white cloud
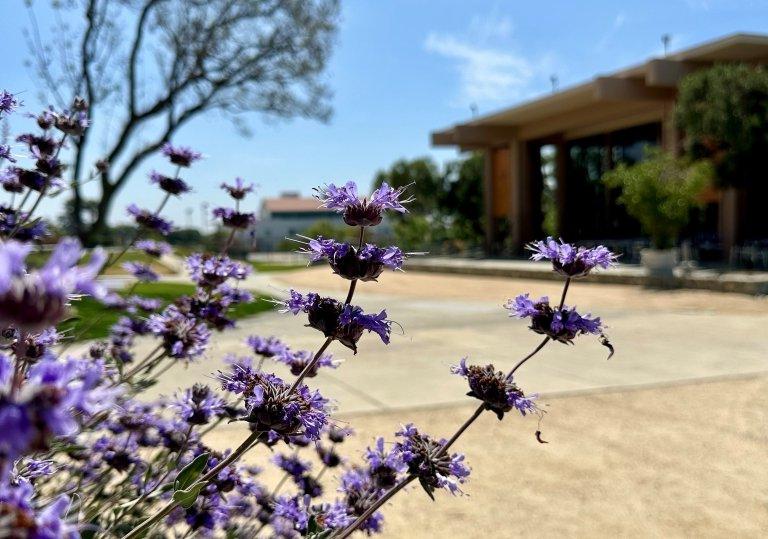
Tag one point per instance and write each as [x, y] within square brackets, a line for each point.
[487, 74]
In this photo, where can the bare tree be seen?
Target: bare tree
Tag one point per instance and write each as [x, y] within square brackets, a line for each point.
[147, 67]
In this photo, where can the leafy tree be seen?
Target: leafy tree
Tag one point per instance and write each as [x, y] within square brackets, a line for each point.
[447, 212]
[660, 192]
[423, 178]
[147, 67]
[723, 111]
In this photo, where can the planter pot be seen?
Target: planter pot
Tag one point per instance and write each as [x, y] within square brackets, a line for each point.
[659, 263]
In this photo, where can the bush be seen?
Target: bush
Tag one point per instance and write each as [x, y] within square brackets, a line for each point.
[660, 193]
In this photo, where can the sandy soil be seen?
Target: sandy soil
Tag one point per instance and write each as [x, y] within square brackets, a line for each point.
[677, 461]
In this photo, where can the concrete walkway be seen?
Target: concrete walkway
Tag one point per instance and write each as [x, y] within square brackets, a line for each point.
[661, 337]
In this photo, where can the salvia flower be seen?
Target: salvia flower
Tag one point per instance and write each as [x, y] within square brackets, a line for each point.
[149, 220]
[272, 409]
[572, 261]
[562, 325]
[292, 464]
[299, 359]
[8, 102]
[269, 347]
[72, 123]
[153, 248]
[212, 270]
[362, 212]
[5, 153]
[384, 466]
[173, 186]
[342, 322]
[142, 272]
[238, 190]
[44, 405]
[20, 517]
[426, 460]
[36, 299]
[180, 155]
[347, 261]
[183, 336]
[495, 389]
[198, 404]
[234, 219]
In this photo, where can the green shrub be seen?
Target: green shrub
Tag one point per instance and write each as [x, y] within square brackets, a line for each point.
[660, 193]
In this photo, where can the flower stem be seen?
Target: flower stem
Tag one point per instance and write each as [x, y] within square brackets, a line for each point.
[349, 530]
[234, 456]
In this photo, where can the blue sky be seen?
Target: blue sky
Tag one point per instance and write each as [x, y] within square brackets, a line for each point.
[402, 68]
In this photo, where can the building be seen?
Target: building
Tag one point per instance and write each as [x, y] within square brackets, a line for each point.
[286, 216]
[553, 151]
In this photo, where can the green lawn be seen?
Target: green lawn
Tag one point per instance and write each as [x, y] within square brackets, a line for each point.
[93, 320]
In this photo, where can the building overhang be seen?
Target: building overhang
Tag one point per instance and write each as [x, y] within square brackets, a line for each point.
[632, 96]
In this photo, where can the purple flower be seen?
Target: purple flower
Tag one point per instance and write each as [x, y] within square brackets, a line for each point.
[234, 219]
[34, 300]
[361, 212]
[562, 325]
[149, 220]
[173, 186]
[239, 190]
[299, 360]
[47, 403]
[269, 347]
[153, 248]
[350, 263]
[143, 272]
[180, 155]
[572, 261]
[293, 511]
[22, 519]
[72, 123]
[292, 464]
[212, 270]
[495, 389]
[183, 336]
[198, 404]
[342, 322]
[5, 153]
[426, 460]
[272, 409]
[384, 466]
[8, 102]
[360, 491]
[138, 303]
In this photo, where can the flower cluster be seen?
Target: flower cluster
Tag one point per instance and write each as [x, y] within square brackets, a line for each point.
[349, 262]
[342, 322]
[562, 324]
[273, 407]
[358, 211]
[571, 261]
[497, 390]
[426, 459]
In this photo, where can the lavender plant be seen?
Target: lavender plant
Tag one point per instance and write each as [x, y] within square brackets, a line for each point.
[84, 453]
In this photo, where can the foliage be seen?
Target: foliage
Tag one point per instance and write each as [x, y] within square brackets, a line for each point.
[723, 111]
[660, 192]
[148, 67]
[447, 213]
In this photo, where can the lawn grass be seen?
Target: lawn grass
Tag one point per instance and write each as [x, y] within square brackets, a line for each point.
[269, 266]
[93, 320]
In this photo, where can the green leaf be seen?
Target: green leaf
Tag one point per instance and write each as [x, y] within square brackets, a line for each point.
[190, 473]
[187, 497]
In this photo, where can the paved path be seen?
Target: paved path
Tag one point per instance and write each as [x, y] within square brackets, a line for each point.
[661, 337]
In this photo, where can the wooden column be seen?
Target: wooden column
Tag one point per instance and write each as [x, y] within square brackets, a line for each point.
[518, 159]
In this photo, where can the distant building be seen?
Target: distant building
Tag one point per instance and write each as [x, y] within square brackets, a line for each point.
[553, 150]
[288, 215]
